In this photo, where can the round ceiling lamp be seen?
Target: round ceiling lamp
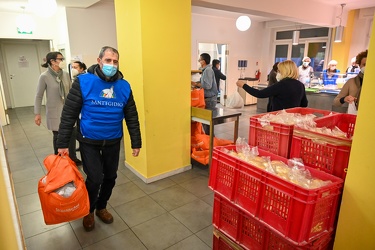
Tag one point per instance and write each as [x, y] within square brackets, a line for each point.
[243, 23]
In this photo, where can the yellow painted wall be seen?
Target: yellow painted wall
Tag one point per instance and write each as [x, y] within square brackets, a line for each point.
[340, 51]
[154, 38]
[356, 227]
[8, 238]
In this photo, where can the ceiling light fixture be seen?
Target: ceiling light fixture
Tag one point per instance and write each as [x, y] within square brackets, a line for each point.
[339, 29]
[243, 23]
[295, 37]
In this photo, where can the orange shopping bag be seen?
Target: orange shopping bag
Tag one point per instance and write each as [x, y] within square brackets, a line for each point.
[62, 191]
[197, 98]
[202, 156]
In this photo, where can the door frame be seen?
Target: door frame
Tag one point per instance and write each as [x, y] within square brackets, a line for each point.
[4, 71]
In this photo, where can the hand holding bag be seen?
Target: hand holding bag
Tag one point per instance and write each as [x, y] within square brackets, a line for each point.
[62, 191]
[352, 109]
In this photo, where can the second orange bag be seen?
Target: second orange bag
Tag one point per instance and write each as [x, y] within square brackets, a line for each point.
[197, 98]
[62, 191]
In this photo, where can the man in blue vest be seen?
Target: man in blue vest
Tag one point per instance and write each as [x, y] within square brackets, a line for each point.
[99, 101]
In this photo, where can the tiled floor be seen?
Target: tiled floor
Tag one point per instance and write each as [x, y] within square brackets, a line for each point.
[173, 213]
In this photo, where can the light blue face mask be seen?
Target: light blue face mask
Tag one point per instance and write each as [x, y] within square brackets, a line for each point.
[109, 70]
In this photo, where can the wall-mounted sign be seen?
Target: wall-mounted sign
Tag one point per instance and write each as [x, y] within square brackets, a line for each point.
[23, 62]
[25, 24]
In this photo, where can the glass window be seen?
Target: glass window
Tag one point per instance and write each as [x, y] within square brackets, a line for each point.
[313, 48]
[305, 33]
[316, 52]
[298, 52]
[281, 53]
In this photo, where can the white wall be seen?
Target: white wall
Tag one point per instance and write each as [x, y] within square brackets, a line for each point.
[78, 31]
[52, 28]
[247, 45]
[45, 28]
[361, 31]
[257, 43]
[90, 29]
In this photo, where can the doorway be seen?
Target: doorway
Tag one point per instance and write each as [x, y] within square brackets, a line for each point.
[217, 51]
[21, 69]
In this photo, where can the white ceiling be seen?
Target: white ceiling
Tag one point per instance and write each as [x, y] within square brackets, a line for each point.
[212, 8]
[349, 4]
[225, 14]
[16, 5]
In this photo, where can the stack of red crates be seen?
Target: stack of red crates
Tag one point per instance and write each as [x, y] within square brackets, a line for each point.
[324, 152]
[277, 137]
[258, 210]
[319, 151]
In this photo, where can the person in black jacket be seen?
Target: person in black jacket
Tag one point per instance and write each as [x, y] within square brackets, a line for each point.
[218, 75]
[99, 101]
[271, 81]
[288, 93]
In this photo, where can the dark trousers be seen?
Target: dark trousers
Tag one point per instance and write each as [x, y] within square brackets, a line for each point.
[210, 104]
[269, 104]
[100, 164]
[72, 144]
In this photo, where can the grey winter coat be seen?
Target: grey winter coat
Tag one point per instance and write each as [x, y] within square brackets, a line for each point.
[54, 106]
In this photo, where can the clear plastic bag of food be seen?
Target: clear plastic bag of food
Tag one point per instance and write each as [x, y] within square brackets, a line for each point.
[67, 190]
[338, 132]
[281, 169]
[286, 118]
[242, 146]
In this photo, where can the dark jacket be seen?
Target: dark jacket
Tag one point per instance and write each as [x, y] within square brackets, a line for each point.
[218, 76]
[288, 93]
[73, 106]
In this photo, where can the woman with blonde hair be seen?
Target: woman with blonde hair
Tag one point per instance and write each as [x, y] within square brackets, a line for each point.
[288, 93]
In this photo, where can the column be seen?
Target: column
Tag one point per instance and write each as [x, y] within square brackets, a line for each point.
[154, 41]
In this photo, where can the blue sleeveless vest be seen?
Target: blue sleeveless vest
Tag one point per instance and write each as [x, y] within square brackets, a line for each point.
[103, 107]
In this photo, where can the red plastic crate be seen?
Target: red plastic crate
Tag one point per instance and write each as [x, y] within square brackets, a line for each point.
[277, 137]
[250, 233]
[345, 122]
[297, 213]
[222, 242]
[324, 152]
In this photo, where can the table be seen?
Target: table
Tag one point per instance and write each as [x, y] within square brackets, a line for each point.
[214, 117]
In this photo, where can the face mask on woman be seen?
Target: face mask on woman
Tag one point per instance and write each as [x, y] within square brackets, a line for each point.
[62, 65]
[363, 69]
[305, 64]
[278, 77]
